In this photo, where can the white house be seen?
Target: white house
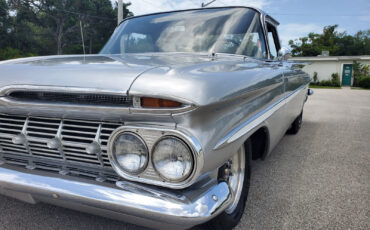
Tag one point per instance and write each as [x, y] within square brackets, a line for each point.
[325, 66]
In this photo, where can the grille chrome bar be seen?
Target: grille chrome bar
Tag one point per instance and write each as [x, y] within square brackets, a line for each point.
[60, 168]
[62, 142]
[67, 146]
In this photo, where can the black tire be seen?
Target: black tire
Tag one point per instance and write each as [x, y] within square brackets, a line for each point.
[226, 221]
[296, 125]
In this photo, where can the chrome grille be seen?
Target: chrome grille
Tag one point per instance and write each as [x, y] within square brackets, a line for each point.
[88, 173]
[57, 145]
[72, 98]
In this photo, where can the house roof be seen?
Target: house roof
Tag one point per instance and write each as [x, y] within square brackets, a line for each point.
[332, 58]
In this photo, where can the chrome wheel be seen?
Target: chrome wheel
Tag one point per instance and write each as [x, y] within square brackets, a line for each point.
[236, 178]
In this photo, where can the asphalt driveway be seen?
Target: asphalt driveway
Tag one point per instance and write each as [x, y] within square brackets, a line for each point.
[318, 179]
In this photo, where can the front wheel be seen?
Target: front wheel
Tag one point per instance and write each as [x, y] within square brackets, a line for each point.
[239, 181]
[296, 125]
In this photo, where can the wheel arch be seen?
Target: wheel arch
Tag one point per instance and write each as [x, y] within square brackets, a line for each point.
[260, 140]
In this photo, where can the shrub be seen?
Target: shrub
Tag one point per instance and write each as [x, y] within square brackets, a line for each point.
[10, 53]
[364, 82]
[326, 83]
[315, 78]
[335, 84]
[335, 80]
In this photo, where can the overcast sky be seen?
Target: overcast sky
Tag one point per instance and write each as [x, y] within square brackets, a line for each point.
[297, 17]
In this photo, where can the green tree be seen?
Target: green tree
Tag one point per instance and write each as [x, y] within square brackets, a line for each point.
[53, 26]
[54, 16]
[356, 67]
[365, 70]
[4, 24]
[330, 40]
[97, 29]
[25, 33]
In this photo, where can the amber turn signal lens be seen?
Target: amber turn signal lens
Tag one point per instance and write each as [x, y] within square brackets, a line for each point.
[148, 102]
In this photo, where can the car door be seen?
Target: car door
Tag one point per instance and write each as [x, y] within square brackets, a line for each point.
[294, 79]
[279, 124]
[295, 91]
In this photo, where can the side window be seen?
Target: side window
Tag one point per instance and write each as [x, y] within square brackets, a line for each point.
[273, 40]
[254, 41]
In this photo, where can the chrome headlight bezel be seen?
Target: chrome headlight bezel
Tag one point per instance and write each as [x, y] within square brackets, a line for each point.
[186, 146]
[113, 156]
[151, 135]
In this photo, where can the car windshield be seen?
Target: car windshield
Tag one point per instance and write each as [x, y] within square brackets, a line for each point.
[218, 30]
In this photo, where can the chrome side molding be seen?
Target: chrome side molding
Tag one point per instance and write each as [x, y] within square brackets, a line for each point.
[256, 120]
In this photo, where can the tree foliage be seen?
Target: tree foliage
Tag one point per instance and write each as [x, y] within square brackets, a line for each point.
[46, 27]
[364, 82]
[4, 20]
[359, 70]
[338, 44]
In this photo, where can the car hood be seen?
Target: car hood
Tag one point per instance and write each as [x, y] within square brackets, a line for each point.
[110, 72]
[97, 72]
[175, 75]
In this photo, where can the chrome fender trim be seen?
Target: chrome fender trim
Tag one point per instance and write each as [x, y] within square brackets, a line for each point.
[257, 119]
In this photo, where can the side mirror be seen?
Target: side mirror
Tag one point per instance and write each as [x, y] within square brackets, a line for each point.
[309, 92]
[284, 54]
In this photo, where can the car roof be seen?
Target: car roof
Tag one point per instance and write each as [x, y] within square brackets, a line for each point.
[271, 19]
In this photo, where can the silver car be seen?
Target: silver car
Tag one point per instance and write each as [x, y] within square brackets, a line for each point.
[160, 128]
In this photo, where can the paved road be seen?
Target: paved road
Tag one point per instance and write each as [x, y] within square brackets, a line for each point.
[318, 179]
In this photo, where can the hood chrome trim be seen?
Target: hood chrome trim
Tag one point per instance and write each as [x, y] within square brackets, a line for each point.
[60, 89]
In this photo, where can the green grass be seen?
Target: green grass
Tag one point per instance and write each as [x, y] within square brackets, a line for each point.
[359, 88]
[324, 87]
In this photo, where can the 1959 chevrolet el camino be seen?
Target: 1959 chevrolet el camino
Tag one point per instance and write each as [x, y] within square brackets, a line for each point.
[159, 129]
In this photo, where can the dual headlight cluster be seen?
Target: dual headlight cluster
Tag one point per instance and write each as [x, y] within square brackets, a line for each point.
[170, 156]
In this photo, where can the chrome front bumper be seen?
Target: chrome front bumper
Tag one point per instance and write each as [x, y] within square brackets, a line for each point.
[142, 205]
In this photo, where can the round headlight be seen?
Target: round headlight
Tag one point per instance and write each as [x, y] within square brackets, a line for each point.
[130, 153]
[172, 159]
